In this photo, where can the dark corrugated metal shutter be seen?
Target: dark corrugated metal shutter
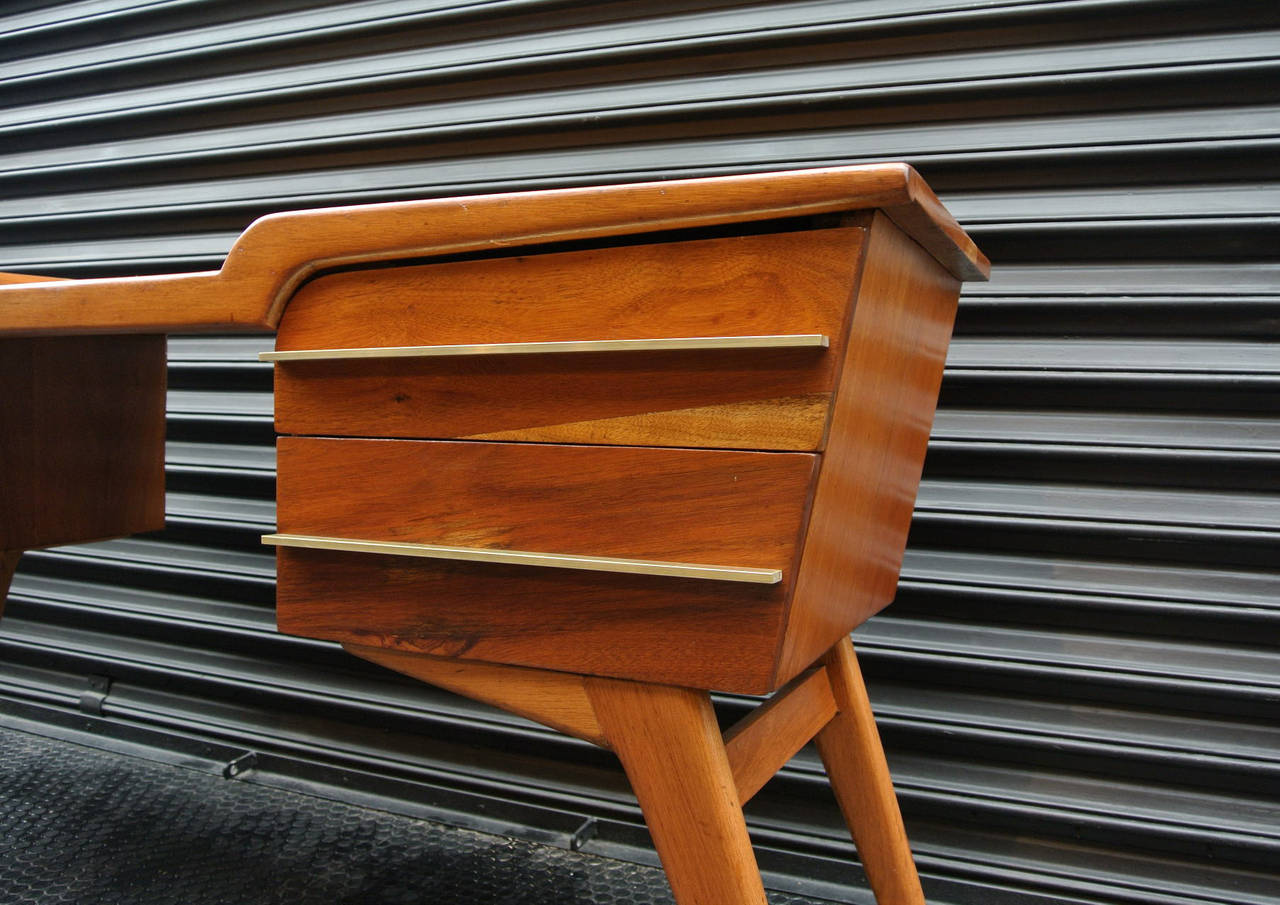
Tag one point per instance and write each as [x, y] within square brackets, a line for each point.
[1078, 684]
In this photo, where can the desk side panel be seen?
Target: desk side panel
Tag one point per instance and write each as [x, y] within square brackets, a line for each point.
[881, 418]
[81, 438]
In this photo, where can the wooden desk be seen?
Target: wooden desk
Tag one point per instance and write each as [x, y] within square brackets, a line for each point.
[584, 454]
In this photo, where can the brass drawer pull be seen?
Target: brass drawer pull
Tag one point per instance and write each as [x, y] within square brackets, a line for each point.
[782, 341]
[525, 558]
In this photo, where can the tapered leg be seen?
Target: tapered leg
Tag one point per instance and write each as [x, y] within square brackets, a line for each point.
[851, 750]
[674, 755]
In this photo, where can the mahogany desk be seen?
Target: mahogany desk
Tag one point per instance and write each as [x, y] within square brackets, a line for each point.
[633, 443]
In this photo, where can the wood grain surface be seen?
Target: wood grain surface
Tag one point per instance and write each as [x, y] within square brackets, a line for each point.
[762, 742]
[81, 438]
[728, 399]
[700, 506]
[931, 226]
[854, 758]
[779, 423]
[679, 631]
[788, 283]
[880, 423]
[709, 506]
[555, 699]
[671, 748]
[7, 278]
[277, 253]
[779, 283]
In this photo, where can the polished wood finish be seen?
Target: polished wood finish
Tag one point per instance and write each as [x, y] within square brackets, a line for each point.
[876, 443]
[930, 225]
[737, 509]
[556, 699]
[724, 399]
[672, 630]
[855, 762]
[756, 285]
[743, 286]
[277, 253]
[762, 742]
[708, 506]
[891, 299]
[671, 748]
[727, 508]
[6, 278]
[782, 423]
[82, 438]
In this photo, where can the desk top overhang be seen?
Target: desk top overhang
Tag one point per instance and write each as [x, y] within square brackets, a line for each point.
[278, 252]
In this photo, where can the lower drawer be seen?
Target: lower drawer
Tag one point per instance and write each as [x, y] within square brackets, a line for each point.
[665, 565]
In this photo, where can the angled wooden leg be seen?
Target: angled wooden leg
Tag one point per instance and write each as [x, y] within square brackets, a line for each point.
[690, 780]
[8, 563]
[674, 755]
[851, 750]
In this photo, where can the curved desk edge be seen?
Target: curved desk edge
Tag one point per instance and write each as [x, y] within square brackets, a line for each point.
[279, 251]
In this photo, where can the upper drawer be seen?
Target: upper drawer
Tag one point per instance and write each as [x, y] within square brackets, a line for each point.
[791, 290]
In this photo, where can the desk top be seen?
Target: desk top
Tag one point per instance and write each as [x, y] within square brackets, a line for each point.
[272, 258]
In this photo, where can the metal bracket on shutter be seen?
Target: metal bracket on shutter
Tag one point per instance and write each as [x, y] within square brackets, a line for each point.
[92, 697]
[583, 834]
[239, 765]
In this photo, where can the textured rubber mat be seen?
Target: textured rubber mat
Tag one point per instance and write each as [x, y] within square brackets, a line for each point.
[79, 825]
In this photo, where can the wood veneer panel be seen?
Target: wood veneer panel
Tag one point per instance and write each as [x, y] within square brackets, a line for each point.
[740, 400]
[702, 506]
[879, 431]
[715, 507]
[788, 283]
[778, 423]
[81, 438]
[779, 283]
[674, 631]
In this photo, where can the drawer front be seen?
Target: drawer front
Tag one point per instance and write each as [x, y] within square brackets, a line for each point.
[627, 345]
[608, 520]
[719, 508]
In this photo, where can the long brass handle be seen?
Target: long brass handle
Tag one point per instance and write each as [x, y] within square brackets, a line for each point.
[526, 558]
[678, 343]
